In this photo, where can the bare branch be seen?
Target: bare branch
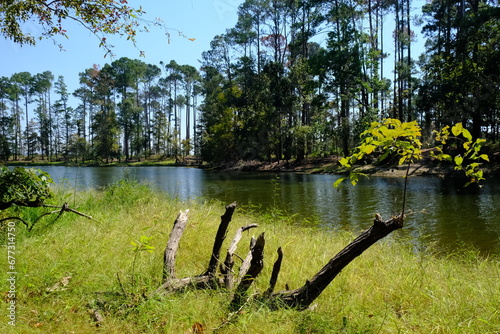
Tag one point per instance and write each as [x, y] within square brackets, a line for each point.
[256, 265]
[227, 267]
[219, 239]
[302, 297]
[275, 273]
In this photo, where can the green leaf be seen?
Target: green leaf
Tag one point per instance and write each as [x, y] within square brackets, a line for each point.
[446, 157]
[484, 157]
[402, 160]
[457, 129]
[344, 162]
[338, 182]
[354, 177]
[467, 134]
[473, 165]
[367, 148]
[458, 160]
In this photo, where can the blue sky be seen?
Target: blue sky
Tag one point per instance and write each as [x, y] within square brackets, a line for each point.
[199, 19]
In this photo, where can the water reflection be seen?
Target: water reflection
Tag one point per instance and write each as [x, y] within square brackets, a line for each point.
[437, 209]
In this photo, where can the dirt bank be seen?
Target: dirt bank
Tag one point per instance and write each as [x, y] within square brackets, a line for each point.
[330, 165]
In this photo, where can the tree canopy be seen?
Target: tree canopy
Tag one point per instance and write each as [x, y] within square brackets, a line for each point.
[100, 17]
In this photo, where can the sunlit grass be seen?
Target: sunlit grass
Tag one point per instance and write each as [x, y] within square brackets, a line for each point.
[391, 288]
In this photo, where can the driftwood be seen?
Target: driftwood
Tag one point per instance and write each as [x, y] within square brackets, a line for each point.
[253, 264]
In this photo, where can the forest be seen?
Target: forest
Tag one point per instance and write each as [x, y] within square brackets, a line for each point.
[292, 79]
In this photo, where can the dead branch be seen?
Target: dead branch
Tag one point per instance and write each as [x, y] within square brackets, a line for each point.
[246, 261]
[64, 208]
[219, 239]
[178, 284]
[226, 268]
[172, 246]
[302, 297]
[275, 273]
[256, 265]
[17, 218]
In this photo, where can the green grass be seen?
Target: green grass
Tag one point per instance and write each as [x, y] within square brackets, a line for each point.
[391, 288]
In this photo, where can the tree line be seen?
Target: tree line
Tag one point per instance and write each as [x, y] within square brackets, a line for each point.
[292, 78]
[127, 110]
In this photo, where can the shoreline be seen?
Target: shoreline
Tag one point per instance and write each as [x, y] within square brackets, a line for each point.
[323, 165]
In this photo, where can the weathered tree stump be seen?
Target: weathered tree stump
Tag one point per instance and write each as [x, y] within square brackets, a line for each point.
[253, 264]
[170, 282]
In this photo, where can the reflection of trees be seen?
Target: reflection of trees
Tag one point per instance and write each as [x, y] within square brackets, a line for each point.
[464, 217]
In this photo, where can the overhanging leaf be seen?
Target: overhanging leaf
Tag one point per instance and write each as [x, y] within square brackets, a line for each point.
[457, 129]
[484, 157]
[338, 182]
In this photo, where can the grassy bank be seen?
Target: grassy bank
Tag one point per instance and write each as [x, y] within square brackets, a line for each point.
[391, 288]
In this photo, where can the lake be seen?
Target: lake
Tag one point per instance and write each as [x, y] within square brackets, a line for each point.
[439, 211]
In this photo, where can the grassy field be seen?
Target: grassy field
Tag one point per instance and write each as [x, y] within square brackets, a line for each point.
[72, 270]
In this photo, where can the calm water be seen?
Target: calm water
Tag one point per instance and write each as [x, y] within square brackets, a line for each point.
[438, 211]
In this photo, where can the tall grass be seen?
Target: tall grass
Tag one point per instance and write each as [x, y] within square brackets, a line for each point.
[391, 288]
